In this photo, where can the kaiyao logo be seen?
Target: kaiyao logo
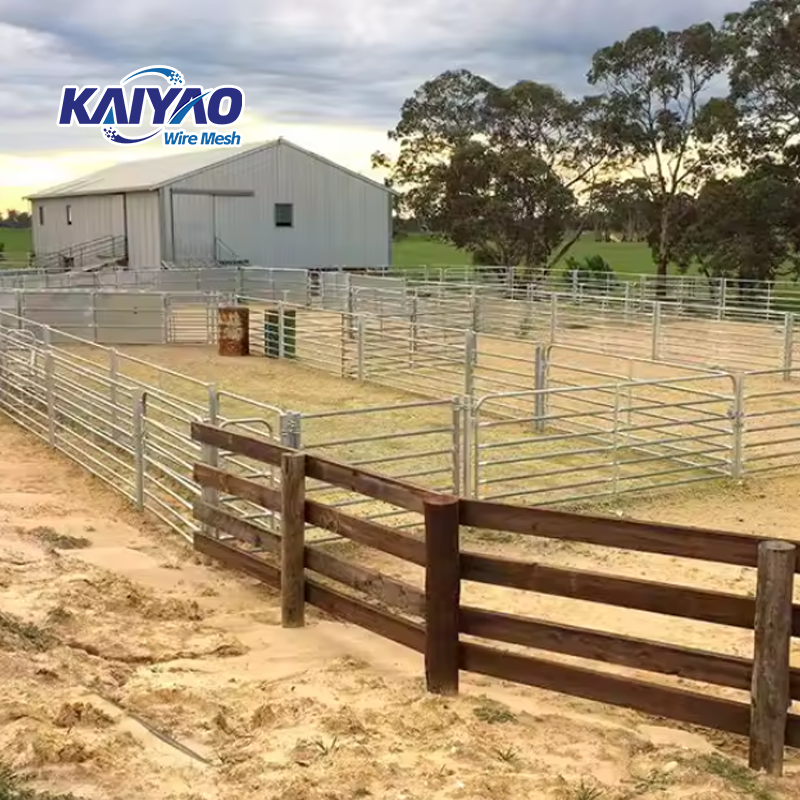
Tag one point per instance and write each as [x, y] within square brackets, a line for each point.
[152, 110]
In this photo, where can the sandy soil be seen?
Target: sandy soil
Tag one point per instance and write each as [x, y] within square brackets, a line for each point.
[132, 670]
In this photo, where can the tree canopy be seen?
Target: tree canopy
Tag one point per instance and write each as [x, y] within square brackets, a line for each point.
[687, 139]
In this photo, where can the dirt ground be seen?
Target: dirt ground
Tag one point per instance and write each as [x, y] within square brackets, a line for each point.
[130, 669]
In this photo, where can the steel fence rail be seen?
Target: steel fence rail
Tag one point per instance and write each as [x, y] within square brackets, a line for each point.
[511, 416]
[598, 442]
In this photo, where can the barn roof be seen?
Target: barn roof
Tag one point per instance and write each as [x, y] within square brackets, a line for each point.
[150, 174]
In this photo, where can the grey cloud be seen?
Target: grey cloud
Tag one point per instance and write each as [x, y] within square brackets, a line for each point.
[338, 61]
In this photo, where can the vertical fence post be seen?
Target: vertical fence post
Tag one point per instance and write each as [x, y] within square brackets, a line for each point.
[168, 335]
[350, 302]
[50, 387]
[617, 435]
[466, 447]
[291, 429]
[457, 444]
[442, 594]
[361, 338]
[475, 310]
[770, 698]
[293, 527]
[281, 330]
[627, 305]
[737, 419]
[553, 317]
[138, 450]
[113, 398]
[413, 329]
[470, 359]
[210, 455]
[540, 385]
[788, 345]
[655, 353]
[723, 298]
[94, 317]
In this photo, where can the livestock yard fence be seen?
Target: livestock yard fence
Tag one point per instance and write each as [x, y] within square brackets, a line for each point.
[431, 618]
[554, 422]
[496, 417]
[685, 327]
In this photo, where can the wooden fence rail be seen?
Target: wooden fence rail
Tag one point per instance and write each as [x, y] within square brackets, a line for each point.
[432, 620]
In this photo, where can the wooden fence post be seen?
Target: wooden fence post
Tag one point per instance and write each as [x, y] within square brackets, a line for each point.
[770, 699]
[442, 594]
[293, 529]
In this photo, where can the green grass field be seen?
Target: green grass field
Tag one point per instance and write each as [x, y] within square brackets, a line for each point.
[624, 257]
[16, 240]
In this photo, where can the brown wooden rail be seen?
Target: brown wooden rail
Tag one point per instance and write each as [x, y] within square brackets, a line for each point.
[446, 564]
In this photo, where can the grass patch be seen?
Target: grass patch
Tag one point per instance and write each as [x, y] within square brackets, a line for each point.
[59, 541]
[15, 787]
[15, 632]
[625, 257]
[16, 241]
[737, 776]
[493, 713]
[585, 789]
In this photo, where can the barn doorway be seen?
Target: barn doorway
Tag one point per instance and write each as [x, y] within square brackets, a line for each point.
[212, 226]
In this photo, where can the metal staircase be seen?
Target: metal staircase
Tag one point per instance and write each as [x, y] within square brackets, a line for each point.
[225, 257]
[96, 253]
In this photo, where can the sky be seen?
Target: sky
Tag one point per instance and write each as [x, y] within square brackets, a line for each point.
[330, 75]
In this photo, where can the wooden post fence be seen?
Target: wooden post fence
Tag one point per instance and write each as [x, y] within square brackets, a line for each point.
[293, 529]
[770, 698]
[442, 594]
[772, 614]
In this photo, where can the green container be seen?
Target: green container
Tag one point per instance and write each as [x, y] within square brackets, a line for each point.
[272, 334]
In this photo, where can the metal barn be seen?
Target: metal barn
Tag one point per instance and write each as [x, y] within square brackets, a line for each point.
[272, 204]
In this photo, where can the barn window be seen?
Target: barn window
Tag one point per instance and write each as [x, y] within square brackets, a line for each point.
[41, 215]
[69, 215]
[284, 215]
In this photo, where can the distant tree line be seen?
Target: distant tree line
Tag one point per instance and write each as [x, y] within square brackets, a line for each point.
[15, 219]
[516, 174]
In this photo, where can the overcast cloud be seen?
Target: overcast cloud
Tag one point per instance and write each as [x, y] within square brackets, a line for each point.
[319, 61]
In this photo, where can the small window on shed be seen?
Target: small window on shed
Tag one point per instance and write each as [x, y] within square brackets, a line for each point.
[41, 215]
[69, 215]
[284, 215]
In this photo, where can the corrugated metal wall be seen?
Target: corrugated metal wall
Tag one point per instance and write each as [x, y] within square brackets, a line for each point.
[144, 229]
[93, 217]
[339, 219]
[192, 229]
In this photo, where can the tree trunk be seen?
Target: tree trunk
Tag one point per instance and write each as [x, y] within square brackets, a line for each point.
[662, 262]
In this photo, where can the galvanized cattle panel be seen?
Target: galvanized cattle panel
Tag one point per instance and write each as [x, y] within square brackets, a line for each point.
[29, 281]
[130, 318]
[373, 282]
[67, 312]
[219, 279]
[291, 285]
[9, 309]
[74, 280]
[192, 319]
[178, 280]
[256, 282]
[332, 288]
[116, 279]
[380, 303]
[275, 284]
